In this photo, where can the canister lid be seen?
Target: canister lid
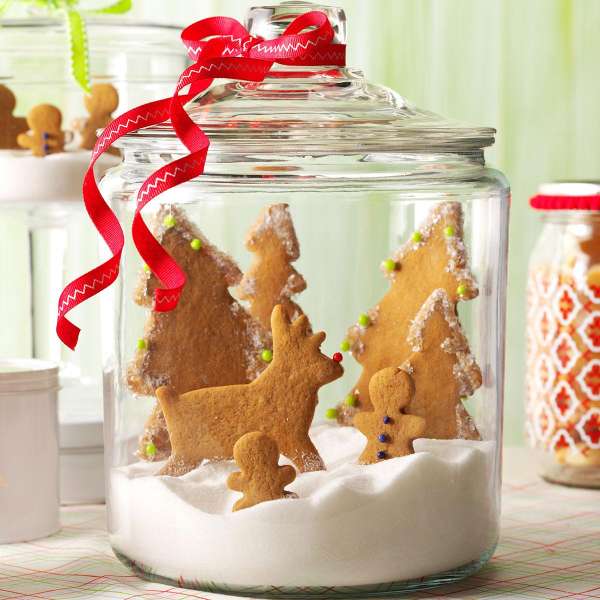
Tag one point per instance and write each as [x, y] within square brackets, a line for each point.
[27, 375]
[311, 110]
[567, 195]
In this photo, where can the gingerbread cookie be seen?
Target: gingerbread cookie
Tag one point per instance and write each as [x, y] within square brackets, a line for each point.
[280, 402]
[271, 279]
[261, 478]
[434, 257]
[100, 103]
[45, 135]
[443, 369]
[208, 340]
[389, 430]
[10, 127]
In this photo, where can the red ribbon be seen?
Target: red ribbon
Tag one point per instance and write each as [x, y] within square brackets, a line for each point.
[222, 48]
[551, 202]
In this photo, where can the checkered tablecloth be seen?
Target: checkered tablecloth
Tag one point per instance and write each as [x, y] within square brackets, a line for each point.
[549, 548]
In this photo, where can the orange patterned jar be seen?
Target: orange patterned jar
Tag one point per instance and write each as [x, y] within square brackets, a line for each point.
[563, 334]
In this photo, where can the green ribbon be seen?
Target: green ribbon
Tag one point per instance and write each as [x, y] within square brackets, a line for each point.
[76, 28]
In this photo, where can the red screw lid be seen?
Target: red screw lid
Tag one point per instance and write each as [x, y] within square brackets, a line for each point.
[567, 195]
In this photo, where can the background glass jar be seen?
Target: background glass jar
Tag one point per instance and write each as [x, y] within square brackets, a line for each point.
[563, 335]
[46, 237]
[363, 173]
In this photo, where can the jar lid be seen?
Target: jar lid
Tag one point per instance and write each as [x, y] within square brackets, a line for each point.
[567, 195]
[27, 375]
[302, 111]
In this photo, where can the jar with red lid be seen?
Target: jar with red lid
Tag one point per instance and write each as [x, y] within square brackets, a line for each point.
[563, 334]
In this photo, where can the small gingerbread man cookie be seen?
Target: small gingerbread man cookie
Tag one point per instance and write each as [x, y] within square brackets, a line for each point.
[10, 126]
[45, 136]
[261, 478]
[101, 102]
[389, 431]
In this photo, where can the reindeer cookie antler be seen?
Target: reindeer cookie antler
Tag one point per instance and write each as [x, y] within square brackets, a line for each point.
[281, 402]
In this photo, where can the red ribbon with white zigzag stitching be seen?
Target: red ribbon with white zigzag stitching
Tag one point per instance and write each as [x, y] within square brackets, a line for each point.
[222, 48]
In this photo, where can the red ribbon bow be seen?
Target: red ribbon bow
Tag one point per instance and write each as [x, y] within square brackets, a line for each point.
[222, 48]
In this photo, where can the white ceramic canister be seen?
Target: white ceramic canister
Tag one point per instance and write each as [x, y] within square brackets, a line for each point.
[29, 489]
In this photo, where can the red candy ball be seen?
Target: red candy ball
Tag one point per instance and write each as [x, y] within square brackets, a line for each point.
[338, 357]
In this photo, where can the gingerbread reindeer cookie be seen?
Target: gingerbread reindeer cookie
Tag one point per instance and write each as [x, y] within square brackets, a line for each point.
[45, 135]
[261, 478]
[271, 279]
[280, 402]
[10, 126]
[389, 430]
[100, 103]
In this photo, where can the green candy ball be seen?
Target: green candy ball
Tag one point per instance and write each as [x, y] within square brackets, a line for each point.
[449, 231]
[345, 346]
[331, 413]
[267, 355]
[350, 400]
[146, 268]
[461, 290]
[169, 221]
[417, 236]
[363, 320]
[150, 449]
[196, 244]
[141, 344]
[389, 265]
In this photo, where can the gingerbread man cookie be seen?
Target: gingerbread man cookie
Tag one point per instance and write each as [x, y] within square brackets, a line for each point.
[280, 402]
[45, 136]
[271, 279]
[261, 478]
[101, 102]
[10, 127]
[389, 430]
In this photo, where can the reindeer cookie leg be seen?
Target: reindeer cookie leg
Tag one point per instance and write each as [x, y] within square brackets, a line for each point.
[304, 455]
[178, 463]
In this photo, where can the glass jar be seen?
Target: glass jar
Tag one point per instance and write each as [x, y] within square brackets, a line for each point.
[366, 183]
[45, 236]
[563, 343]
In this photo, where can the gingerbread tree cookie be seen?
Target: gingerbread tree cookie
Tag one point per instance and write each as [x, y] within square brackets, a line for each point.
[389, 430]
[10, 126]
[261, 478]
[443, 369]
[100, 103]
[434, 257]
[45, 135]
[271, 279]
[280, 402]
[208, 340]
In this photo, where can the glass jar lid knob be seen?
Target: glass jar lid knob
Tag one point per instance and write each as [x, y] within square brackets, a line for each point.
[270, 21]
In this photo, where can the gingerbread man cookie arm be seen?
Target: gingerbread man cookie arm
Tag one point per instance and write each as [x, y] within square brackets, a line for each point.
[237, 481]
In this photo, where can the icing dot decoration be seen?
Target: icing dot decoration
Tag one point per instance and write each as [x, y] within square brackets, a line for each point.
[345, 346]
[363, 320]
[141, 344]
[461, 290]
[389, 265]
[338, 357]
[381, 454]
[267, 355]
[331, 413]
[417, 237]
[150, 449]
[350, 400]
[146, 268]
[169, 221]
[196, 244]
[449, 231]
[382, 437]
[387, 419]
